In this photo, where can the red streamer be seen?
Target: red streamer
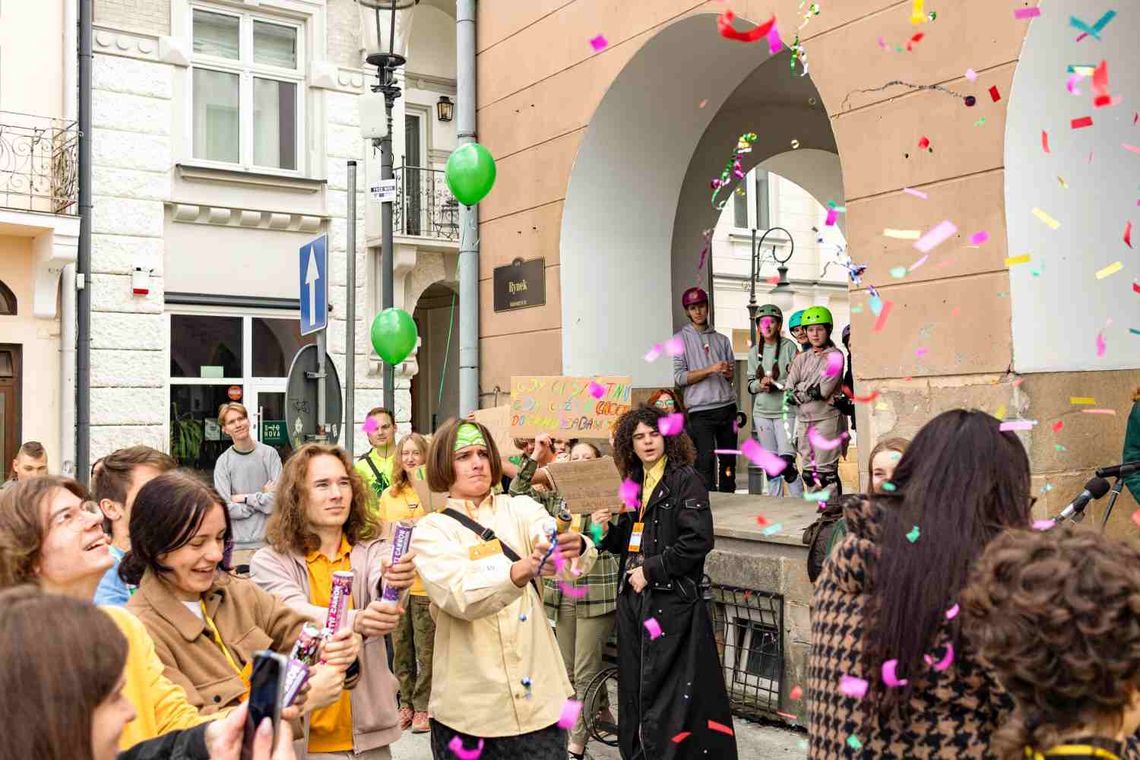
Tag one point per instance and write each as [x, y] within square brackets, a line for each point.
[714, 726]
[724, 26]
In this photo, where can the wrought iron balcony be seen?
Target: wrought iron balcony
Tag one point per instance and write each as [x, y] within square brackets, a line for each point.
[424, 205]
[39, 164]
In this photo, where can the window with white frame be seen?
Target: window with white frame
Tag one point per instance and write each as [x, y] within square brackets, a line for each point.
[750, 206]
[247, 78]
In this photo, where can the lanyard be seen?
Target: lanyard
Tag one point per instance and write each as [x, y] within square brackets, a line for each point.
[218, 640]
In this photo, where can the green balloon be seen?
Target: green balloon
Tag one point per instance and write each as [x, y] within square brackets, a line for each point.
[394, 335]
[470, 173]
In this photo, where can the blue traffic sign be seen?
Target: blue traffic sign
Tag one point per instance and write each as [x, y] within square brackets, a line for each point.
[314, 284]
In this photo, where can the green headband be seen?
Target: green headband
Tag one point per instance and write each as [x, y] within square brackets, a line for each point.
[468, 435]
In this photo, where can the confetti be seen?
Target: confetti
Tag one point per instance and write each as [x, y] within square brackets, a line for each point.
[889, 676]
[952, 612]
[761, 520]
[1072, 82]
[1111, 269]
[1057, 426]
[599, 43]
[902, 234]
[1136, 517]
[819, 442]
[572, 591]
[1101, 346]
[671, 424]
[823, 495]
[724, 26]
[861, 399]
[370, 426]
[682, 737]
[703, 103]
[1043, 524]
[654, 353]
[1024, 13]
[1082, 400]
[630, 493]
[1047, 220]
[1017, 425]
[787, 716]
[916, 14]
[1061, 181]
[971, 75]
[850, 686]
[919, 263]
[772, 529]
[1094, 30]
[881, 320]
[946, 661]
[720, 728]
[914, 41]
[596, 389]
[832, 216]
[1128, 234]
[834, 364]
[854, 743]
[653, 627]
[1132, 148]
[936, 235]
[796, 693]
[995, 96]
[1135, 286]
[1109, 412]
[979, 237]
[921, 352]
[914, 533]
[1081, 122]
[461, 752]
[775, 44]
[915, 193]
[759, 456]
[923, 143]
[1044, 141]
[571, 709]
[1015, 260]
[675, 346]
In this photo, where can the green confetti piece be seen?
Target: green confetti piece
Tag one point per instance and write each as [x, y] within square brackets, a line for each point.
[774, 528]
[596, 533]
[853, 742]
[889, 487]
[913, 535]
[1134, 331]
[980, 122]
[1059, 447]
[898, 272]
[858, 309]
[817, 495]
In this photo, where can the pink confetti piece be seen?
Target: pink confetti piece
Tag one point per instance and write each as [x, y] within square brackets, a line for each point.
[775, 44]
[596, 389]
[1081, 123]
[1017, 425]
[671, 424]
[1133, 148]
[1128, 234]
[703, 103]
[1024, 13]
[881, 320]
[971, 75]
[1043, 524]
[1110, 412]
[832, 216]
[819, 442]
[571, 709]
[915, 193]
[946, 661]
[761, 457]
[1072, 82]
[850, 686]
[919, 263]
[1044, 141]
[574, 592]
[599, 43]
[675, 346]
[834, 364]
[936, 236]
[979, 237]
[796, 693]
[921, 352]
[1101, 346]
[653, 627]
[630, 493]
[654, 353]
[461, 752]
[370, 426]
[952, 612]
[1136, 517]
[889, 676]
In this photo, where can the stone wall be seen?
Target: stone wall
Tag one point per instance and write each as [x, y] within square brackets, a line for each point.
[150, 16]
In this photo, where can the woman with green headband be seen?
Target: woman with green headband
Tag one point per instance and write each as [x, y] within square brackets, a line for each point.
[498, 682]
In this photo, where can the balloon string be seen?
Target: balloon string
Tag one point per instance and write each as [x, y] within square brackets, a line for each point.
[446, 352]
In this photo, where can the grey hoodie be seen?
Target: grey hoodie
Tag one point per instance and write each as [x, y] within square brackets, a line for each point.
[703, 349]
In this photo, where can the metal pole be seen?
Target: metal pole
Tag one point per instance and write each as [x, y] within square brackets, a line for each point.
[83, 263]
[752, 294]
[468, 216]
[387, 298]
[350, 314]
[322, 401]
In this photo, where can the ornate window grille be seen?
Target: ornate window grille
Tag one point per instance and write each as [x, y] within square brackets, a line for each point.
[424, 205]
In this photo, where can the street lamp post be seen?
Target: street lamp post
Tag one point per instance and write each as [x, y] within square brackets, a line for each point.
[387, 62]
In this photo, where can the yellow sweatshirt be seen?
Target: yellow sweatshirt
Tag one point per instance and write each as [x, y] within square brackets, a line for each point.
[161, 705]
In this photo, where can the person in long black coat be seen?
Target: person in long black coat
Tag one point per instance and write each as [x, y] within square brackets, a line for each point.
[672, 703]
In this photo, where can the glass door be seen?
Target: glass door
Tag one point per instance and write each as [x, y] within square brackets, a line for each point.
[267, 413]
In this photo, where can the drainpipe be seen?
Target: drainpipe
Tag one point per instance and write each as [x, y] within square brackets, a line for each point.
[67, 277]
[83, 273]
[468, 217]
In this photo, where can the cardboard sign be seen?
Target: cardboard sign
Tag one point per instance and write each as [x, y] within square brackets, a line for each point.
[565, 407]
[587, 485]
[432, 501]
[497, 419]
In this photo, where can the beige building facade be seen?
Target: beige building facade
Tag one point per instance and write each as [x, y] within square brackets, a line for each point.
[605, 159]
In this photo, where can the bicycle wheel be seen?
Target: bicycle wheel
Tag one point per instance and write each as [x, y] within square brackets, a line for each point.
[600, 695]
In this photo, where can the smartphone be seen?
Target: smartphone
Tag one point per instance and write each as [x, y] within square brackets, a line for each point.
[266, 689]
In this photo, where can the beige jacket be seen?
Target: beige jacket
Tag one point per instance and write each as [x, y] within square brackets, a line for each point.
[490, 634]
[811, 388]
[375, 718]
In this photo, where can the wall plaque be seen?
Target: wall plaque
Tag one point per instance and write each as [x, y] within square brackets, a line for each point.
[520, 285]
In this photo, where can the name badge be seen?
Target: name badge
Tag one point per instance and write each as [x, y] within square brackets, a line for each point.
[485, 549]
[635, 537]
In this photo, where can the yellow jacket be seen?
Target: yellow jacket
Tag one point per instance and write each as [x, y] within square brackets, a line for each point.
[160, 704]
[401, 505]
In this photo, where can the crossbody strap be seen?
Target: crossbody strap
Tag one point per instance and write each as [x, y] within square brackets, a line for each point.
[486, 534]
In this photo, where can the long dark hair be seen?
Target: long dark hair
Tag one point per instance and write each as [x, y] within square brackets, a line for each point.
[166, 514]
[62, 659]
[961, 482]
[678, 448]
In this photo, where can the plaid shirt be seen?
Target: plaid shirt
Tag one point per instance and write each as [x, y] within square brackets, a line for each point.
[601, 582]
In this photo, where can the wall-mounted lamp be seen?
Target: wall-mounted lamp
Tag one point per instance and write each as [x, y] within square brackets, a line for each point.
[444, 109]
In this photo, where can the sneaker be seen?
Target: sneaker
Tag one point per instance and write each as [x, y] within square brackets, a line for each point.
[420, 724]
[407, 717]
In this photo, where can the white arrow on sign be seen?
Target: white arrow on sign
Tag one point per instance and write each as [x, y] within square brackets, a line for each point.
[312, 276]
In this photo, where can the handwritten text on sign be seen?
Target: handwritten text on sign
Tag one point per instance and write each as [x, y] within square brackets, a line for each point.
[565, 407]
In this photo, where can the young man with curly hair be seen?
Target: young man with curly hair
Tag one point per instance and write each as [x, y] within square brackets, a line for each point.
[669, 683]
[322, 526]
[1055, 614]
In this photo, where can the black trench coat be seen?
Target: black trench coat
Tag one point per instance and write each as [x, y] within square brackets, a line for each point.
[672, 684]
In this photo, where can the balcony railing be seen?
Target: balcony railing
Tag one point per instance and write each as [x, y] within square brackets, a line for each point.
[424, 205]
[39, 164]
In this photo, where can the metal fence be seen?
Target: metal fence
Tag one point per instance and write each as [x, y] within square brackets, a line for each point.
[424, 205]
[748, 626]
[39, 164]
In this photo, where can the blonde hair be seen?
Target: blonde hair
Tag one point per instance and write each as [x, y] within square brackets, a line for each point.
[401, 478]
[231, 406]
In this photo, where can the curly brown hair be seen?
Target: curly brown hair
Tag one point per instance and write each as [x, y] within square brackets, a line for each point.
[678, 448]
[1057, 615]
[288, 528]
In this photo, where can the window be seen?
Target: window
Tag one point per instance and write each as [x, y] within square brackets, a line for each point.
[9, 306]
[751, 196]
[246, 77]
[763, 214]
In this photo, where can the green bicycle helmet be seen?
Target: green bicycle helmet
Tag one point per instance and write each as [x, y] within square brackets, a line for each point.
[816, 315]
[769, 310]
[794, 321]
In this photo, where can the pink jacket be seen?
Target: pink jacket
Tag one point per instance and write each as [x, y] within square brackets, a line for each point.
[375, 720]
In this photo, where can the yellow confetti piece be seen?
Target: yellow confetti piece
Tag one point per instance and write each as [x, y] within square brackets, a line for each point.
[1064, 184]
[1000, 413]
[1082, 400]
[1112, 268]
[902, 234]
[916, 14]
[1015, 260]
[1048, 220]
